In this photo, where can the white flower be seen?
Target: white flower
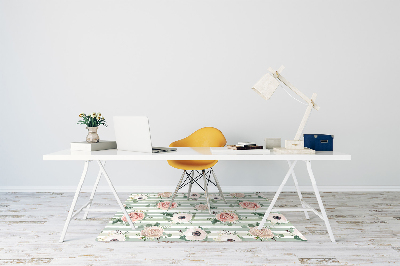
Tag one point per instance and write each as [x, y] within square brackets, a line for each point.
[226, 236]
[194, 196]
[94, 115]
[138, 196]
[181, 217]
[262, 195]
[113, 236]
[215, 197]
[195, 233]
[277, 218]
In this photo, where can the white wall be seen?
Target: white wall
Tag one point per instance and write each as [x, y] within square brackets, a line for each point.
[189, 64]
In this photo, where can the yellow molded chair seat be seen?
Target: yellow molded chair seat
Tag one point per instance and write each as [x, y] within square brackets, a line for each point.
[204, 137]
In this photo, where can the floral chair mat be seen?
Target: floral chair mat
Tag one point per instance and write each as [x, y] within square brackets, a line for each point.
[189, 219]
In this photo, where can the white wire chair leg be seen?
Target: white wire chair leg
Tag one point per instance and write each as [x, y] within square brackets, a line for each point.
[190, 184]
[299, 192]
[321, 205]
[276, 195]
[93, 192]
[115, 194]
[71, 209]
[176, 190]
[206, 190]
[218, 186]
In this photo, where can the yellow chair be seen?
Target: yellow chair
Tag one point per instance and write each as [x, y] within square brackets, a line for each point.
[204, 137]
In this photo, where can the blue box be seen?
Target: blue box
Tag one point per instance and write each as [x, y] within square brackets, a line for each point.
[318, 142]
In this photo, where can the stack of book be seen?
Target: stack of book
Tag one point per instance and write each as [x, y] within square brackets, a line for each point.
[245, 146]
[240, 148]
[98, 146]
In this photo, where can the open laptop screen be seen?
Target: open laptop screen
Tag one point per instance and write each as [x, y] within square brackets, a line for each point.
[132, 133]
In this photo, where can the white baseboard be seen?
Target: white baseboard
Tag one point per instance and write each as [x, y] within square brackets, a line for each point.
[134, 189]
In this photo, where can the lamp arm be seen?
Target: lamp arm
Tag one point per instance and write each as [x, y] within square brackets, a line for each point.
[305, 117]
[293, 88]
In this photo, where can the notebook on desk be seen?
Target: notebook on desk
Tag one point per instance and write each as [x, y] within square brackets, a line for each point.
[133, 134]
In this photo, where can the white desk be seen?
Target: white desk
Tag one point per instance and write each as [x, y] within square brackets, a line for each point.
[194, 154]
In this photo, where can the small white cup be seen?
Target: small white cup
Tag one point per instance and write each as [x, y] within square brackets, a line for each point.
[271, 143]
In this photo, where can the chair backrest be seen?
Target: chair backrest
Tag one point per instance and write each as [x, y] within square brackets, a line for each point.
[204, 137]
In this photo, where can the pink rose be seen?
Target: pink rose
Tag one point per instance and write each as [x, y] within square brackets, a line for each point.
[249, 205]
[201, 207]
[237, 195]
[165, 204]
[165, 194]
[227, 217]
[153, 232]
[263, 233]
[135, 216]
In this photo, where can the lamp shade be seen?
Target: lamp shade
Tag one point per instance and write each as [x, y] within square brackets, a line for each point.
[266, 86]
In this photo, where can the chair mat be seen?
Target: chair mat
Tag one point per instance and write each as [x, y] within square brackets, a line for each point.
[189, 219]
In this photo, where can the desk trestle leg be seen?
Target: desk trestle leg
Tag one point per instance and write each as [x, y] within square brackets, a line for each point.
[93, 192]
[299, 192]
[305, 206]
[321, 205]
[276, 196]
[71, 210]
[116, 195]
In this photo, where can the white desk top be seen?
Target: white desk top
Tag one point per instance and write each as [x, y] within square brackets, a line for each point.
[184, 153]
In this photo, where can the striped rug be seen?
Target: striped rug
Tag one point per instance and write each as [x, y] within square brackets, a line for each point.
[189, 220]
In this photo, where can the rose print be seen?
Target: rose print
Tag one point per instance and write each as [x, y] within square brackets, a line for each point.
[228, 217]
[262, 233]
[135, 216]
[165, 204]
[152, 232]
[249, 205]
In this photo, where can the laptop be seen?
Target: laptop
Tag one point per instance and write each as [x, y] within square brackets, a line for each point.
[133, 134]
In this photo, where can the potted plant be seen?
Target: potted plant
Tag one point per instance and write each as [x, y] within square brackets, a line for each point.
[92, 123]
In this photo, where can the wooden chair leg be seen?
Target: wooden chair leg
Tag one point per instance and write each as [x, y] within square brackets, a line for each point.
[206, 190]
[218, 186]
[176, 190]
[190, 184]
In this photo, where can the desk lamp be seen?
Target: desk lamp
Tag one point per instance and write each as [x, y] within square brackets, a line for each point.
[266, 86]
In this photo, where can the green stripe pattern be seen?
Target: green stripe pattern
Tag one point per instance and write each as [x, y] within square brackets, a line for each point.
[189, 220]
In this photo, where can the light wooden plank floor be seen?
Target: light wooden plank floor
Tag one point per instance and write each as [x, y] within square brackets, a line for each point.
[366, 226]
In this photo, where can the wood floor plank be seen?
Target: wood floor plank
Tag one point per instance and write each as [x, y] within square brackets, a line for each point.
[366, 227]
